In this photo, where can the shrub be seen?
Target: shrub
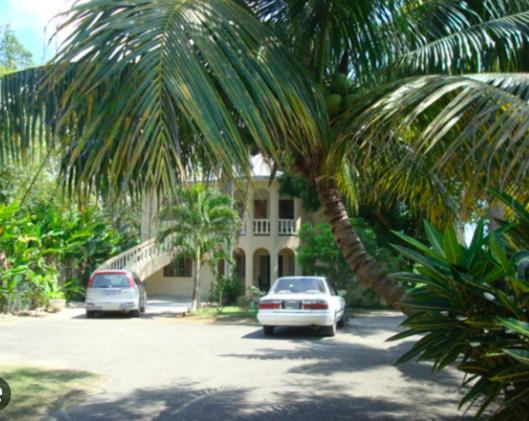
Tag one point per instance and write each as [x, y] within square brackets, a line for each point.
[227, 290]
[472, 308]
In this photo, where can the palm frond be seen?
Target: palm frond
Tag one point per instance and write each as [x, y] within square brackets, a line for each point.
[133, 75]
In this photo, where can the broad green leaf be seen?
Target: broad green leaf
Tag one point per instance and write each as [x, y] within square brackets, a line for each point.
[519, 355]
[514, 325]
[454, 252]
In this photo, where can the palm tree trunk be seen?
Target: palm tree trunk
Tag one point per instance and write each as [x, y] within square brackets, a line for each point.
[366, 269]
[196, 282]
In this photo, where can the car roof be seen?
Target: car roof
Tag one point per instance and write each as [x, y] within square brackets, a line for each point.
[323, 278]
[116, 271]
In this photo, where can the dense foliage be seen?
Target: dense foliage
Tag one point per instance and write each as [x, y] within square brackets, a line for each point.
[318, 254]
[471, 305]
[48, 251]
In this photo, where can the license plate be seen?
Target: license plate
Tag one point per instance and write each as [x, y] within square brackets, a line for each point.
[291, 305]
[112, 292]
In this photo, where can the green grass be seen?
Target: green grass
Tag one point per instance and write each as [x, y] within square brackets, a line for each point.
[37, 392]
[226, 313]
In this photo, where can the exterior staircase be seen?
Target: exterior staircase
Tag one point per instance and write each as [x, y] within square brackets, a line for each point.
[145, 259]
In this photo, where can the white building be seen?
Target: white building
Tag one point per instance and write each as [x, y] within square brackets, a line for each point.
[266, 246]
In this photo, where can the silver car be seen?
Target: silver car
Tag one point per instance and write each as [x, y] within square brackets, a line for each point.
[115, 290]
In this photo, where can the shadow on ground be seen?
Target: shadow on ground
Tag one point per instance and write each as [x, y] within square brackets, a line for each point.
[185, 402]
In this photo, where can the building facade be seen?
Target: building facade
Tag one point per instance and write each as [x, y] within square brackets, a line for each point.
[265, 248]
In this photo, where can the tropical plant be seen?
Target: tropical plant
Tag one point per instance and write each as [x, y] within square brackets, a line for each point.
[357, 97]
[319, 254]
[227, 290]
[199, 226]
[44, 247]
[471, 305]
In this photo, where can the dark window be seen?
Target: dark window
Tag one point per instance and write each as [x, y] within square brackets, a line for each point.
[111, 280]
[332, 287]
[179, 268]
[260, 209]
[240, 265]
[286, 209]
[294, 285]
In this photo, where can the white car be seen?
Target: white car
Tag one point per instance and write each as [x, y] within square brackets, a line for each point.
[302, 301]
[115, 290]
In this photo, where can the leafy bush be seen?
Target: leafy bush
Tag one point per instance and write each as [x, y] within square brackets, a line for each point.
[471, 304]
[227, 290]
[38, 242]
[319, 254]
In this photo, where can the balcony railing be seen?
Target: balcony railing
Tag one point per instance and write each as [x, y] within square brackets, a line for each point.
[287, 227]
[261, 227]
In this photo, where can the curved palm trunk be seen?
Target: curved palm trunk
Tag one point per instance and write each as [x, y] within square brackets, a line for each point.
[361, 262]
[196, 282]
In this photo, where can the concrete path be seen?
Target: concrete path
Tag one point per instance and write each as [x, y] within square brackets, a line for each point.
[166, 367]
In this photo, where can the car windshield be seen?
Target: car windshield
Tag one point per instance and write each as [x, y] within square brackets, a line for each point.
[296, 285]
[110, 280]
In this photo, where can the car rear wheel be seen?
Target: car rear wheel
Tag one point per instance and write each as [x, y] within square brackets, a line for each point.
[268, 330]
[90, 314]
[330, 330]
[343, 320]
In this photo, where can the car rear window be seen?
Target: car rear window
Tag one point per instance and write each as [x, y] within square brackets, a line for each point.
[110, 280]
[294, 285]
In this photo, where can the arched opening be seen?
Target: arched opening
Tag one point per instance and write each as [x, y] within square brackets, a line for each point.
[286, 263]
[261, 269]
[240, 264]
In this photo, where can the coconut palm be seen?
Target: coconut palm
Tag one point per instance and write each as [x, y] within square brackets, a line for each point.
[352, 95]
[199, 225]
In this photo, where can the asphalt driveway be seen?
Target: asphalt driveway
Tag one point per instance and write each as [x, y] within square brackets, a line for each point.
[167, 367]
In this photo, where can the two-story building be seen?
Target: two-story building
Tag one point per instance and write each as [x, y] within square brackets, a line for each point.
[265, 249]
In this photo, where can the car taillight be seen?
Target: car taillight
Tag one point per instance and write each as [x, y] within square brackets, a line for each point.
[269, 305]
[314, 305]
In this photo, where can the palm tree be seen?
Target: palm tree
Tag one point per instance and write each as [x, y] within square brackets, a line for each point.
[145, 92]
[199, 226]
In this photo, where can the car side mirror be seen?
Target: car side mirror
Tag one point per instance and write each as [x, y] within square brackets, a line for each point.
[342, 293]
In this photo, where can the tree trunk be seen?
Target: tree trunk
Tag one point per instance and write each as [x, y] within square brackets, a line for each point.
[196, 282]
[366, 269]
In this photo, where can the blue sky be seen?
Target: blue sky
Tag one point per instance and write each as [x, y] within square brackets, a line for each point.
[32, 22]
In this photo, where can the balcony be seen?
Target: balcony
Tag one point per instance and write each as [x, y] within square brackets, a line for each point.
[261, 227]
[286, 227]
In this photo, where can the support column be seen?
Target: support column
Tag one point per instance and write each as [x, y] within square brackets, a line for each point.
[273, 266]
[274, 211]
[248, 270]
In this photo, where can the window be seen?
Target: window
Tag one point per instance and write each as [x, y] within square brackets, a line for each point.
[260, 210]
[286, 209]
[110, 280]
[179, 268]
[302, 285]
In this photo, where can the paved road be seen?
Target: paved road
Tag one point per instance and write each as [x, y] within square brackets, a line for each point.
[166, 367]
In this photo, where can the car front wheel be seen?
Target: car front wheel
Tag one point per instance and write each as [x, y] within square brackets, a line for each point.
[268, 330]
